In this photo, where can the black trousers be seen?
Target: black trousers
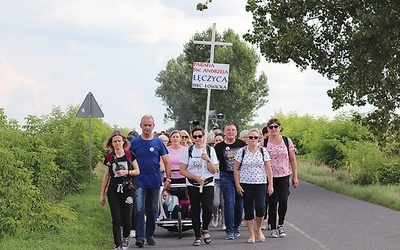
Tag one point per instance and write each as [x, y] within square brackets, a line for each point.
[278, 201]
[201, 201]
[254, 199]
[121, 207]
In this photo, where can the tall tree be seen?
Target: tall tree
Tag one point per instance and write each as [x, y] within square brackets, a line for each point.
[353, 42]
[246, 92]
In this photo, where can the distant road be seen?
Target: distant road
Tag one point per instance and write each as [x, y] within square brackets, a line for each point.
[316, 219]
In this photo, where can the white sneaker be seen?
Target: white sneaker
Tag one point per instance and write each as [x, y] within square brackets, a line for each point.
[214, 222]
[223, 227]
[125, 243]
[264, 225]
[274, 233]
[132, 234]
[282, 231]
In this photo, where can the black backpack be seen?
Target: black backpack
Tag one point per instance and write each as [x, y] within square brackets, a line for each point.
[244, 152]
[190, 150]
[285, 139]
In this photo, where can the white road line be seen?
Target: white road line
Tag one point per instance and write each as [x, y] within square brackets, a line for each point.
[307, 236]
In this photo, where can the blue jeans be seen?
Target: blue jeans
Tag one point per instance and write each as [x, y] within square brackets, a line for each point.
[146, 203]
[233, 203]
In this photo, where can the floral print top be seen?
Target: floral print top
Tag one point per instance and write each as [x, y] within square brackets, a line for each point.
[280, 162]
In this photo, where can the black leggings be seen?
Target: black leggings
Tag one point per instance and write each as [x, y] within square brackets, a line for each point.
[280, 195]
[121, 207]
[254, 198]
[206, 200]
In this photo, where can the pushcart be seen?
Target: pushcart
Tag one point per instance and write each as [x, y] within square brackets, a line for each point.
[178, 225]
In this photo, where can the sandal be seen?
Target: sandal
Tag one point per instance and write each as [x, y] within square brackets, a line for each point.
[251, 240]
[208, 239]
[196, 242]
[260, 237]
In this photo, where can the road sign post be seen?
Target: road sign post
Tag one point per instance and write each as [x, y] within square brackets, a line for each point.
[90, 108]
[208, 86]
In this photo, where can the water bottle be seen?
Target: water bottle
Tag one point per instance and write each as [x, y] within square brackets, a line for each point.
[170, 208]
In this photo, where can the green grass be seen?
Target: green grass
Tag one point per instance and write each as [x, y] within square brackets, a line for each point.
[340, 182]
[91, 228]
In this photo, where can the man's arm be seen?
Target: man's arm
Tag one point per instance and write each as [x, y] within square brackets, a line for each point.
[167, 165]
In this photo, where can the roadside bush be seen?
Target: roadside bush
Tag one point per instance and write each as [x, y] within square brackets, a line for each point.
[41, 162]
[301, 130]
[22, 203]
[330, 152]
[364, 161]
[333, 139]
[389, 173]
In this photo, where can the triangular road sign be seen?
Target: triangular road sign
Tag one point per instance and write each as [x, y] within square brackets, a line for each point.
[89, 108]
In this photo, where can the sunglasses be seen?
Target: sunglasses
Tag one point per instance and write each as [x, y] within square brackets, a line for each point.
[197, 136]
[272, 127]
[185, 137]
[253, 137]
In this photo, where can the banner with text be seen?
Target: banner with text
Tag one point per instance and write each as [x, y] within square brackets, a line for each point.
[210, 75]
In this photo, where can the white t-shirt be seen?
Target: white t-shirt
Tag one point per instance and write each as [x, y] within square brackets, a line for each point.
[252, 170]
[194, 163]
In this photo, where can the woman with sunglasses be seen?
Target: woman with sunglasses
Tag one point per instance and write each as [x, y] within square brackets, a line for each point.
[251, 170]
[185, 141]
[283, 164]
[192, 162]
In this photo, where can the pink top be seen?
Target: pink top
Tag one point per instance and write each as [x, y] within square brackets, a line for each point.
[280, 162]
[174, 157]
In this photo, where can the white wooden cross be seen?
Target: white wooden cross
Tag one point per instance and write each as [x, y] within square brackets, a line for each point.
[212, 43]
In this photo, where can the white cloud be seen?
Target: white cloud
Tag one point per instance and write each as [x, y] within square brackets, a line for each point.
[55, 52]
[20, 94]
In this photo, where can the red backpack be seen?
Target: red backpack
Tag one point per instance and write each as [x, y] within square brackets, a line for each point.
[128, 157]
[111, 154]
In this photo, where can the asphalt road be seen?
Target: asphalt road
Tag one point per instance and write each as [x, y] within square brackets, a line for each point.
[316, 219]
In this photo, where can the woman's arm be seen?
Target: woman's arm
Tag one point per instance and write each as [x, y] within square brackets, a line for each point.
[189, 175]
[136, 170]
[210, 165]
[293, 163]
[268, 170]
[104, 184]
[236, 176]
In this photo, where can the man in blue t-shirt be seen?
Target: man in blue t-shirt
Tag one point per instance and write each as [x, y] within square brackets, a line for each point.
[148, 150]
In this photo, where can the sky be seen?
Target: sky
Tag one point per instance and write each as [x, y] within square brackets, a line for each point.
[53, 53]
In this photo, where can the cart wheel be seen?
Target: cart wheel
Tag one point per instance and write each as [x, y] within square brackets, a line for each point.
[180, 225]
